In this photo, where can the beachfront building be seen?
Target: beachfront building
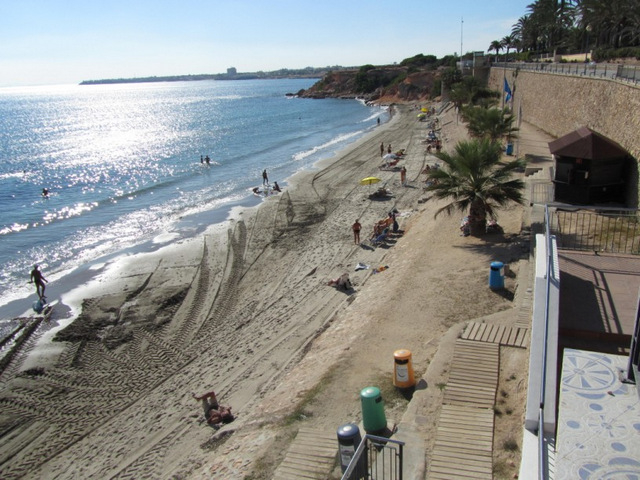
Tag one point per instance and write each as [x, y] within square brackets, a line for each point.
[590, 169]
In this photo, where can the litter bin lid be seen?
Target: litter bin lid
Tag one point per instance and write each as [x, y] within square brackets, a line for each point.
[348, 431]
[402, 354]
[497, 264]
[370, 392]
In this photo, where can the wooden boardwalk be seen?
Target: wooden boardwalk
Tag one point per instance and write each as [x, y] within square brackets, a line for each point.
[473, 377]
[464, 439]
[516, 336]
[464, 444]
[312, 455]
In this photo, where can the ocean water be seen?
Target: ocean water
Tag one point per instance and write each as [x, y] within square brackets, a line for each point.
[122, 162]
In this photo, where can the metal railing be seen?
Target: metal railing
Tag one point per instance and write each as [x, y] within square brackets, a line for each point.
[542, 458]
[627, 73]
[376, 458]
[611, 230]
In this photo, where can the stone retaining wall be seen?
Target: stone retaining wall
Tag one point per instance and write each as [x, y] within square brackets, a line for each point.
[559, 104]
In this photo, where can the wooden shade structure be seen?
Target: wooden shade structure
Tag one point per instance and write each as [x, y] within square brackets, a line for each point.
[589, 168]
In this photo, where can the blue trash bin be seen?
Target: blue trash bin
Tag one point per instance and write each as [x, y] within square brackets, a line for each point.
[496, 276]
[509, 149]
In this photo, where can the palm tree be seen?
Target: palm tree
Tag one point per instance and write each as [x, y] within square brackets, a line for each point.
[507, 43]
[491, 123]
[474, 179]
[496, 46]
[524, 34]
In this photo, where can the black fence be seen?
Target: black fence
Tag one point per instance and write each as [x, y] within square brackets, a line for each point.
[627, 73]
[597, 230]
[376, 458]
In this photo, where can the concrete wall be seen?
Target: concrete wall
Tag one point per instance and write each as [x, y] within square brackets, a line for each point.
[559, 104]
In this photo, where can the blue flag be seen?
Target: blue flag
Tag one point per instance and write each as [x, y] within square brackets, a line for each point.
[507, 89]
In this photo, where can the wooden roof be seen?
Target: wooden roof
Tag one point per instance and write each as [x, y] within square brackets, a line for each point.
[587, 144]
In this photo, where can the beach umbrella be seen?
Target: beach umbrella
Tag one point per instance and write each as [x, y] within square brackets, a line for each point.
[369, 181]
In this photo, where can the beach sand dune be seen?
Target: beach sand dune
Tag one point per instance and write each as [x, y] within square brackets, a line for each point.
[248, 313]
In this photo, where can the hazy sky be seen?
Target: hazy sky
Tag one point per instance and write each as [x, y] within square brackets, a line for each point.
[67, 41]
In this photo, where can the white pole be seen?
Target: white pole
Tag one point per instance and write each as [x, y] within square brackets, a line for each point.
[461, 25]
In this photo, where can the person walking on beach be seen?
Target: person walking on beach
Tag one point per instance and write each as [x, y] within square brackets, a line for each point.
[265, 177]
[403, 176]
[39, 280]
[356, 231]
[382, 149]
[389, 149]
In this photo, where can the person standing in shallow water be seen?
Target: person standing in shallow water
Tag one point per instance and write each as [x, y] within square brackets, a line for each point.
[265, 177]
[39, 280]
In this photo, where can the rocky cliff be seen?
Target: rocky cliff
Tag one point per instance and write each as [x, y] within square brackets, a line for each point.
[377, 84]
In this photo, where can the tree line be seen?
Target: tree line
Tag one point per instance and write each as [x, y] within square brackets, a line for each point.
[611, 28]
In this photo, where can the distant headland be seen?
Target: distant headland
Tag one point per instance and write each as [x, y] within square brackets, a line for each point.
[232, 74]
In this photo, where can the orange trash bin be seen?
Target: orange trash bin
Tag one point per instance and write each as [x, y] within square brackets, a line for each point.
[403, 376]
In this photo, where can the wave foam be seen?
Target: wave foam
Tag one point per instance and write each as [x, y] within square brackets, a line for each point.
[334, 141]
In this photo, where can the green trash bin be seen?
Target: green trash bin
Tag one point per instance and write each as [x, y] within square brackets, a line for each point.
[373, 418]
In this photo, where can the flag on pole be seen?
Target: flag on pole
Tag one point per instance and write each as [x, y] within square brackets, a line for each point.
[507, 89]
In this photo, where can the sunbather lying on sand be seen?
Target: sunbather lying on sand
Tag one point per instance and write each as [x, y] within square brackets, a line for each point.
[214, 413]
[342, 282]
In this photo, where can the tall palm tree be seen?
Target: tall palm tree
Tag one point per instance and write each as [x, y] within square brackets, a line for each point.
[507, 43]
[524, 34]
[473, 178]
[496, 46]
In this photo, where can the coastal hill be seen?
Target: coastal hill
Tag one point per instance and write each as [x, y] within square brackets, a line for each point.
[389, 83]
[416, 78]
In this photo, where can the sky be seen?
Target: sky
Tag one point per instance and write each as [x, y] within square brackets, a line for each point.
[50, 42]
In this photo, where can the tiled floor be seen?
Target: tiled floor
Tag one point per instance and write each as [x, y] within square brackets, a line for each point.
[598, 419]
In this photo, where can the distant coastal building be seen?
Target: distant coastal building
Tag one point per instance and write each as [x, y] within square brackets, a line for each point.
[232, 71]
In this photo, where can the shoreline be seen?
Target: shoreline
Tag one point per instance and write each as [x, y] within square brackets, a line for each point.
[190, 226]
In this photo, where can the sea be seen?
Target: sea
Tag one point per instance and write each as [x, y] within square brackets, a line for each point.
[122, 164]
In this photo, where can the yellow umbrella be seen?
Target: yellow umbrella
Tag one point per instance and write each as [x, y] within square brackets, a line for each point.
[425, 109]
[369, 181]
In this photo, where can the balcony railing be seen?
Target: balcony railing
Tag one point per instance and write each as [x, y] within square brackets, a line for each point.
[627, 73]
[598, 230]
[376, 458]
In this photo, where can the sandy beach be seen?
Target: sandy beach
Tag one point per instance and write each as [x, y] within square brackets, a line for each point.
[247, 312]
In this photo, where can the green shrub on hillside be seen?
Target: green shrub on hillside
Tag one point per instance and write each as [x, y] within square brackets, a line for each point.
[604, 54]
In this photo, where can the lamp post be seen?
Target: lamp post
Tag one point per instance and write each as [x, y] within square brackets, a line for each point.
[586, 53]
